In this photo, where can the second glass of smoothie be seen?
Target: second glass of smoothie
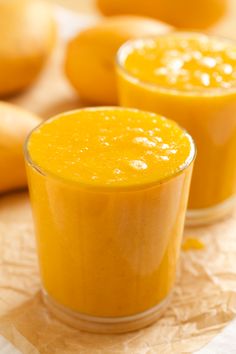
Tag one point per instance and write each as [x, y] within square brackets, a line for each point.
[191, 78]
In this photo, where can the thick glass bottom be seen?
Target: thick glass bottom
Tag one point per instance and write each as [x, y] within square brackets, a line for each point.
[105, 324]
[209, 215]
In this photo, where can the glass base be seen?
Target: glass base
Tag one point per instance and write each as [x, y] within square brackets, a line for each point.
[105, 324]
[205, 216]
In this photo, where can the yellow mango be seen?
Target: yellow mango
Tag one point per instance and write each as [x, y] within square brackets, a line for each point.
[15, 124]
[27, 32]
[90, 57]
[196, 14]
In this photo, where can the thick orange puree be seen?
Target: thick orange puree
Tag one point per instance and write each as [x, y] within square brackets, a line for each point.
[191, 78]
[184, 62]
[109, 251]
[110, 147]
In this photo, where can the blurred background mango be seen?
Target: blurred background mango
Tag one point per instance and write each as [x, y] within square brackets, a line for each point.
[15, 125]
[27, 32]
[90, 55]
[196, 14]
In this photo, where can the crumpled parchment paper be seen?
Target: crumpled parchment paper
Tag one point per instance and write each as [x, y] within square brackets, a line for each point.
[204, 298]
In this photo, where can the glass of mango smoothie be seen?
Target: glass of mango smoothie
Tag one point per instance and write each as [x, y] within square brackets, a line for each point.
[190, 78]
[109, 189]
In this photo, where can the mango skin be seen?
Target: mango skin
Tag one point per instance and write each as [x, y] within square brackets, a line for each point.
[27, 33]
[191, 14]
[90, 56]
[15, 125]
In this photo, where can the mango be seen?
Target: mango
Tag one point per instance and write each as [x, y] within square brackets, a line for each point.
[195, 14]
[27, 32]
[15, 125]
[90, 55]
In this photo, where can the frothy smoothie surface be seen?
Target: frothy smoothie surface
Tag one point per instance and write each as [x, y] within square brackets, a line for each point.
[182, 61]
[110, 147]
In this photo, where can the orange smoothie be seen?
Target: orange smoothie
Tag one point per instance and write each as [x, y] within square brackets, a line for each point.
[191, 78]
[109, 188]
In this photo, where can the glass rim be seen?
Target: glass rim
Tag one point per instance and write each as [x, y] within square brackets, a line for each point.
[206, 92]
[106, 188]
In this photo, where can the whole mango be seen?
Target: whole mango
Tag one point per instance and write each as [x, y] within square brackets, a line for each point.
[15, 125]
[27, 32]
[195, 14]
[90, 56]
